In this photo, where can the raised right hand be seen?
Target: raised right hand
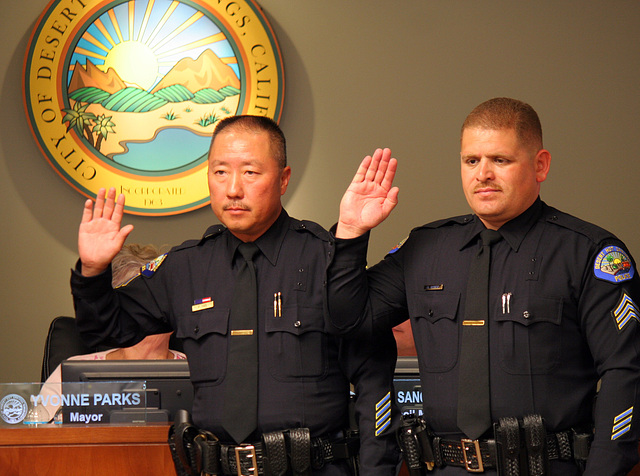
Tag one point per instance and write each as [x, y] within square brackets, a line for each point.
[370, 197]
[100, 237]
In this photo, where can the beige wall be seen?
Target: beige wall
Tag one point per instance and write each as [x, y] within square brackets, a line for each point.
[360, 74]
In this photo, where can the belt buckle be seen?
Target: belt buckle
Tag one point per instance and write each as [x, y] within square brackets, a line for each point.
[467, 445]
[249, 452]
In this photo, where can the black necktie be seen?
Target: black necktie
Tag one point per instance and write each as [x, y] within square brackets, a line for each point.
[474, 410]
[240, 416]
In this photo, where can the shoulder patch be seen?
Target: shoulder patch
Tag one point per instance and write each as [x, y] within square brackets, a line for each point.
[624, 311]
[397, 247]
[150, 268]
[613, 264]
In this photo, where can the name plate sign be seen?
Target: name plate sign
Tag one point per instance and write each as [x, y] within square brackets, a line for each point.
[37, 404]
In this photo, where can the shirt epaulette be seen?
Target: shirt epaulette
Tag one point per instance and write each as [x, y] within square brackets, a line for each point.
[593, 232]
[211, 232]
[311, 227]
[459, 220]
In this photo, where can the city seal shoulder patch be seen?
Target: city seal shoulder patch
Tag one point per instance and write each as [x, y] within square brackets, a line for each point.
[397, 247]
[613, 264]
[150, 268]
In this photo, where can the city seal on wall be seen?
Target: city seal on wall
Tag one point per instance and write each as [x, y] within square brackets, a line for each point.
[126, 93]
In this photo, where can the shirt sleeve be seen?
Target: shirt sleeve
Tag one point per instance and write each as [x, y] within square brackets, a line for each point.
[369, 361]
[102, 319]
[609, 313]
[347, 290]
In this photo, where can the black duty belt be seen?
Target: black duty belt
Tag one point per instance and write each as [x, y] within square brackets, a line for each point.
[276, 452]
[478, 455]
[518, 447]
[279, 453]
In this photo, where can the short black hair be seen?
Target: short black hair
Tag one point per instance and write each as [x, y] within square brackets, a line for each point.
[256, 124]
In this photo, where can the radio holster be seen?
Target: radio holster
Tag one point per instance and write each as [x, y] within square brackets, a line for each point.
[194, 452]
[415, 442]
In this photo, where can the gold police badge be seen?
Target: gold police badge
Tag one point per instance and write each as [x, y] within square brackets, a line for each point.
[126, 93]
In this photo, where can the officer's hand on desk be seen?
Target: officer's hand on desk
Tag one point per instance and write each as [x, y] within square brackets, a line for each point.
[100, 237]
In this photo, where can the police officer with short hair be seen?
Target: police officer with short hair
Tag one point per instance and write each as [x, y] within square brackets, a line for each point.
[563, 299]
[303, 364]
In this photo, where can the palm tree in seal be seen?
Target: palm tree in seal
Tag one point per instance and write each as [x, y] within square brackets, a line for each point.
[80, 120]
[103, 125]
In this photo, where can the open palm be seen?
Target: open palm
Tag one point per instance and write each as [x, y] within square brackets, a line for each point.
[100, 236]
[370, 197]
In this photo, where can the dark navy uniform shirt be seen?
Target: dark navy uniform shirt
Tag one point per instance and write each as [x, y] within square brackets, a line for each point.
[303, 364]
[563, 301]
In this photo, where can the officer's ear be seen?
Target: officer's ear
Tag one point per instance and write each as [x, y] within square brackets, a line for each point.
[284, 179]
[542, 163]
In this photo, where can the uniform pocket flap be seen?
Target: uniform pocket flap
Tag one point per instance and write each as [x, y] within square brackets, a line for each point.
[295, 320]
[201, 323]
[434, 305]
[537, 309]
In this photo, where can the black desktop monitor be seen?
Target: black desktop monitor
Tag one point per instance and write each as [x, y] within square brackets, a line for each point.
[407, 385]
[167, 389]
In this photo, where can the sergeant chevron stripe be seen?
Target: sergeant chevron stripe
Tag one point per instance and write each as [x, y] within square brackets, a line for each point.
[625, 311]
[621, 423]
[383, 414]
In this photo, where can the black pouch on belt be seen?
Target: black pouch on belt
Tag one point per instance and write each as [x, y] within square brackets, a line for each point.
[300, 447]
[535, 437]
[510, 454]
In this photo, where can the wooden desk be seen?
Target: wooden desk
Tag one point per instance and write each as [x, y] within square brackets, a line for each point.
[93, 451]
[82, 450]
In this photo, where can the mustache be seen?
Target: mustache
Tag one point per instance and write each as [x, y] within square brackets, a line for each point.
[235, 204]
[490, 185]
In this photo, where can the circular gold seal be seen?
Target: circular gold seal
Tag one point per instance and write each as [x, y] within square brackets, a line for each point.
[126, 93]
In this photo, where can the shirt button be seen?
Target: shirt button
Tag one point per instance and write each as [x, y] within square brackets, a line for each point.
[430, 312]
[526, 314]
[196, 329]
[297, 324]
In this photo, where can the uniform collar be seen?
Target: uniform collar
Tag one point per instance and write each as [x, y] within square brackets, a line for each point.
[513, 232]
[269, 242]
